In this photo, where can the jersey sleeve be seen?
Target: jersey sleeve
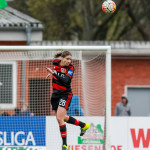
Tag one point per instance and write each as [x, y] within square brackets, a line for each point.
[65, 78]
[70, 72]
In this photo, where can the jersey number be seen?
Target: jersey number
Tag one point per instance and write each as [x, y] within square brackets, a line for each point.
[62, 102]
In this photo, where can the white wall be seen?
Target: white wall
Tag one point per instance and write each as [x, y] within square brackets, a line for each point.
[20, 35]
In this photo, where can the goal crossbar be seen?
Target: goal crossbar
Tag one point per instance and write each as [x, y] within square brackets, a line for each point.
[36, 48]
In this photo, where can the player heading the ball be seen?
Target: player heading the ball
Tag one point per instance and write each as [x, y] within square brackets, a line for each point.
[62, 94]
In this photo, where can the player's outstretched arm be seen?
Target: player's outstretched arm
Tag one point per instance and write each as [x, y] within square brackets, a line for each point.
[63, 78]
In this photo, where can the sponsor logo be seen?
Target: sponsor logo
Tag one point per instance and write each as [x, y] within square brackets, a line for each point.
[59, 74]
[15, 138]
[138, 137]
[86, 147]
[22, 131]
[63, 70]
[94, 135]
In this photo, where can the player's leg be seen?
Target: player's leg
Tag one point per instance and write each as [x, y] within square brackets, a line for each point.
[61, 112]
[72, 120]
[63, 104]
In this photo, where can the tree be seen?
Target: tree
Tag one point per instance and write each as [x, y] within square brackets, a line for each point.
[20, 5]
[84, 19]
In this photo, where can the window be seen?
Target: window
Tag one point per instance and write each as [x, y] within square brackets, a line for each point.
[8, 83]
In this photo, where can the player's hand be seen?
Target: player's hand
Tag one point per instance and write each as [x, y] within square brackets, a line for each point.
[49, 75]
[50, 70]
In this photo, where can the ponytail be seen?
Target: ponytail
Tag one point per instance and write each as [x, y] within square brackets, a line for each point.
[58, 54]
[62, 54]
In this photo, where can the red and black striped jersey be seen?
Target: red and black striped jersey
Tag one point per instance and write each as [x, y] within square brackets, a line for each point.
[62, 77]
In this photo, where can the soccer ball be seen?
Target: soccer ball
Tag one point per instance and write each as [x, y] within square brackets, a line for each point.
[109, 6]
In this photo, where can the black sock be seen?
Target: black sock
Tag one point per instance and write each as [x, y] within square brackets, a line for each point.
[63, 132]
[76, 122]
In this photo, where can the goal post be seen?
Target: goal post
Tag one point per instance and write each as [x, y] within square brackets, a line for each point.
[23, 81]
[108, 99]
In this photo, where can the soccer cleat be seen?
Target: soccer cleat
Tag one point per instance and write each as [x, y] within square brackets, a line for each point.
[65, 147]
[83, 130]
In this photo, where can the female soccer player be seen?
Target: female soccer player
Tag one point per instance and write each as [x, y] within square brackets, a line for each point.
[62, 94]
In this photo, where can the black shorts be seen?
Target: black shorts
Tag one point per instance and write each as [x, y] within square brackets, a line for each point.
[62, 100]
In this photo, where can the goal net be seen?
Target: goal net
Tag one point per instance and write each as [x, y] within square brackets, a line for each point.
[25, 94]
